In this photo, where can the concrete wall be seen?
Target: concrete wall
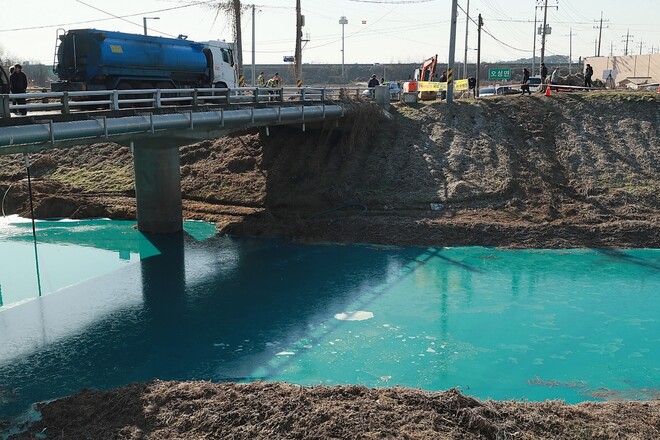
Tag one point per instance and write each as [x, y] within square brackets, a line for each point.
[630, 66]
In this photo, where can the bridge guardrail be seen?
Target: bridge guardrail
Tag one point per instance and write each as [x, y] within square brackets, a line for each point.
[71, 102]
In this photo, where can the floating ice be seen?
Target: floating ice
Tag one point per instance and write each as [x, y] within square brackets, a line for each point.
[284, 353]
[354, 316]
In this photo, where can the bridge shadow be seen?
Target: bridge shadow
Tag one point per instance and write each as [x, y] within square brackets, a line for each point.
[210, 310]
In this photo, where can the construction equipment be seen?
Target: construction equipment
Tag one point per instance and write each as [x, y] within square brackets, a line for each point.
[427, 72]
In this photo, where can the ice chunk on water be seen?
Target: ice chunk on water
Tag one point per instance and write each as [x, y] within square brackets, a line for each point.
[359, 315]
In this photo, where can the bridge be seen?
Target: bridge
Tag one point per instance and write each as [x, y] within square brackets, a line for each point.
[154, 124]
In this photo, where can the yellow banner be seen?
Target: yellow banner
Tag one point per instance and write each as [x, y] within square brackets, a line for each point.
[433, 86]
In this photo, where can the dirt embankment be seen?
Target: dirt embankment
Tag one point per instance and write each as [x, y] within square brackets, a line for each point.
[203, 410]
[572, 170]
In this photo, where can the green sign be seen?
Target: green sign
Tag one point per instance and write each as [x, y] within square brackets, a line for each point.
[499, 73]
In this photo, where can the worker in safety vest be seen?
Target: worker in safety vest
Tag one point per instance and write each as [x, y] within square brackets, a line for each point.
[261, 81]
[275, 81]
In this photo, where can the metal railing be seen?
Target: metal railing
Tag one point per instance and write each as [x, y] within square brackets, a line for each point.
[104, 100]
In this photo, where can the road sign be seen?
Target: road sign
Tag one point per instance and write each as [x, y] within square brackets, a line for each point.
[289, 59]
[499, 73]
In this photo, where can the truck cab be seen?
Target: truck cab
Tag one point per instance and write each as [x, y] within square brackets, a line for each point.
[220, 59]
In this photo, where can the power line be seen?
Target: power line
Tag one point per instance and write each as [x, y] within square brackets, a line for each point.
[104, 19]
[395, 2]
[489, 34]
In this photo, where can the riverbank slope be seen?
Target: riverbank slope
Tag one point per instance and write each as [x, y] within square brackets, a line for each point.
[572, 170]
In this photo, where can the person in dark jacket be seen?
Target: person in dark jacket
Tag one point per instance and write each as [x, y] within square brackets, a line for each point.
[373, 82]
[588, 73]
[18, 84]
[525, 82]
[544, 73]
[443, 77]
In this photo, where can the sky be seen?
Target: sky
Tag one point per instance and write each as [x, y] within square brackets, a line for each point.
[378, 31]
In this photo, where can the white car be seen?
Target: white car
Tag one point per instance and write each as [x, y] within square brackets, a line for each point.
[534, 83]
[486, 91]
[395, 91]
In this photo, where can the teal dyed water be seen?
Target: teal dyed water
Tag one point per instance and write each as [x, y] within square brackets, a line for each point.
[119, 307]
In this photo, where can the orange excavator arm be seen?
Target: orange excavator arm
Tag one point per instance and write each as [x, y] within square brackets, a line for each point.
[429, 67]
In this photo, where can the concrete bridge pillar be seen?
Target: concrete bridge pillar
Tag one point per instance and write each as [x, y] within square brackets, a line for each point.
[157, 186]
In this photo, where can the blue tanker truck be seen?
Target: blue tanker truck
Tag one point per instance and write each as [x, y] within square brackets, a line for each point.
[91, 59]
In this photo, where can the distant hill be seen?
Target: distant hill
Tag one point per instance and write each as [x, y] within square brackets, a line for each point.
[330, 74]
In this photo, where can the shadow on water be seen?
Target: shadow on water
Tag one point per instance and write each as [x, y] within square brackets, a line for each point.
[624, 257]
[213, 310]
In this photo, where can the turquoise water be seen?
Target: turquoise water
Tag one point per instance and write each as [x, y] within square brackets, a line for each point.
[118, 307]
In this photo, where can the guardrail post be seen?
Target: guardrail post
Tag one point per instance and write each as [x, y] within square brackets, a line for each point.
[157, 99]
[4, 107]
[194, 98]
[256, 95]
[281, 95]
[323, 94]
[114, 105]
[302, 95]
[65, 103]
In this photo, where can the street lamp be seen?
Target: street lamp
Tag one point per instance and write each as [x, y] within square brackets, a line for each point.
[144, 22]
[342, 21]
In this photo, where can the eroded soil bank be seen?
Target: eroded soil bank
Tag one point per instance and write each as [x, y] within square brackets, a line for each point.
[573, 170]
[202, 410]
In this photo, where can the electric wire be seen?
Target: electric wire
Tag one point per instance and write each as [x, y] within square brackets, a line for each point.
[34, 230]
[102, 19]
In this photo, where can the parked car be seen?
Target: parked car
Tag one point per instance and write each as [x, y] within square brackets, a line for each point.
[487, 91]
[507, 90]
[534, 83]
[395, 91]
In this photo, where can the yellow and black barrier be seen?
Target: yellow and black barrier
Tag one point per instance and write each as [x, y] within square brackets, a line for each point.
[299, 83]
[241, 80]
[434, 86]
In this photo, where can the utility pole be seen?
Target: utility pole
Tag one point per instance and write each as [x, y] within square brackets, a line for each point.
[467, 21]
[144, 22]
[600, 32]
[343, 22]
[452, 53]
[545, 20]
[254, 80]
[641, 43]
[298, 55]
[570, 50]
[480, 23]
[628, 37]
[536, 8]
[546, 29]
[611, 48]
[239, 39]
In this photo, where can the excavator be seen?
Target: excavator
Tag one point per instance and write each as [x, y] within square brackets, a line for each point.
[427, 72]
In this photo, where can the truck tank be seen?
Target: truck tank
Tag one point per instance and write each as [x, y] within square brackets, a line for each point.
[89, 59]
